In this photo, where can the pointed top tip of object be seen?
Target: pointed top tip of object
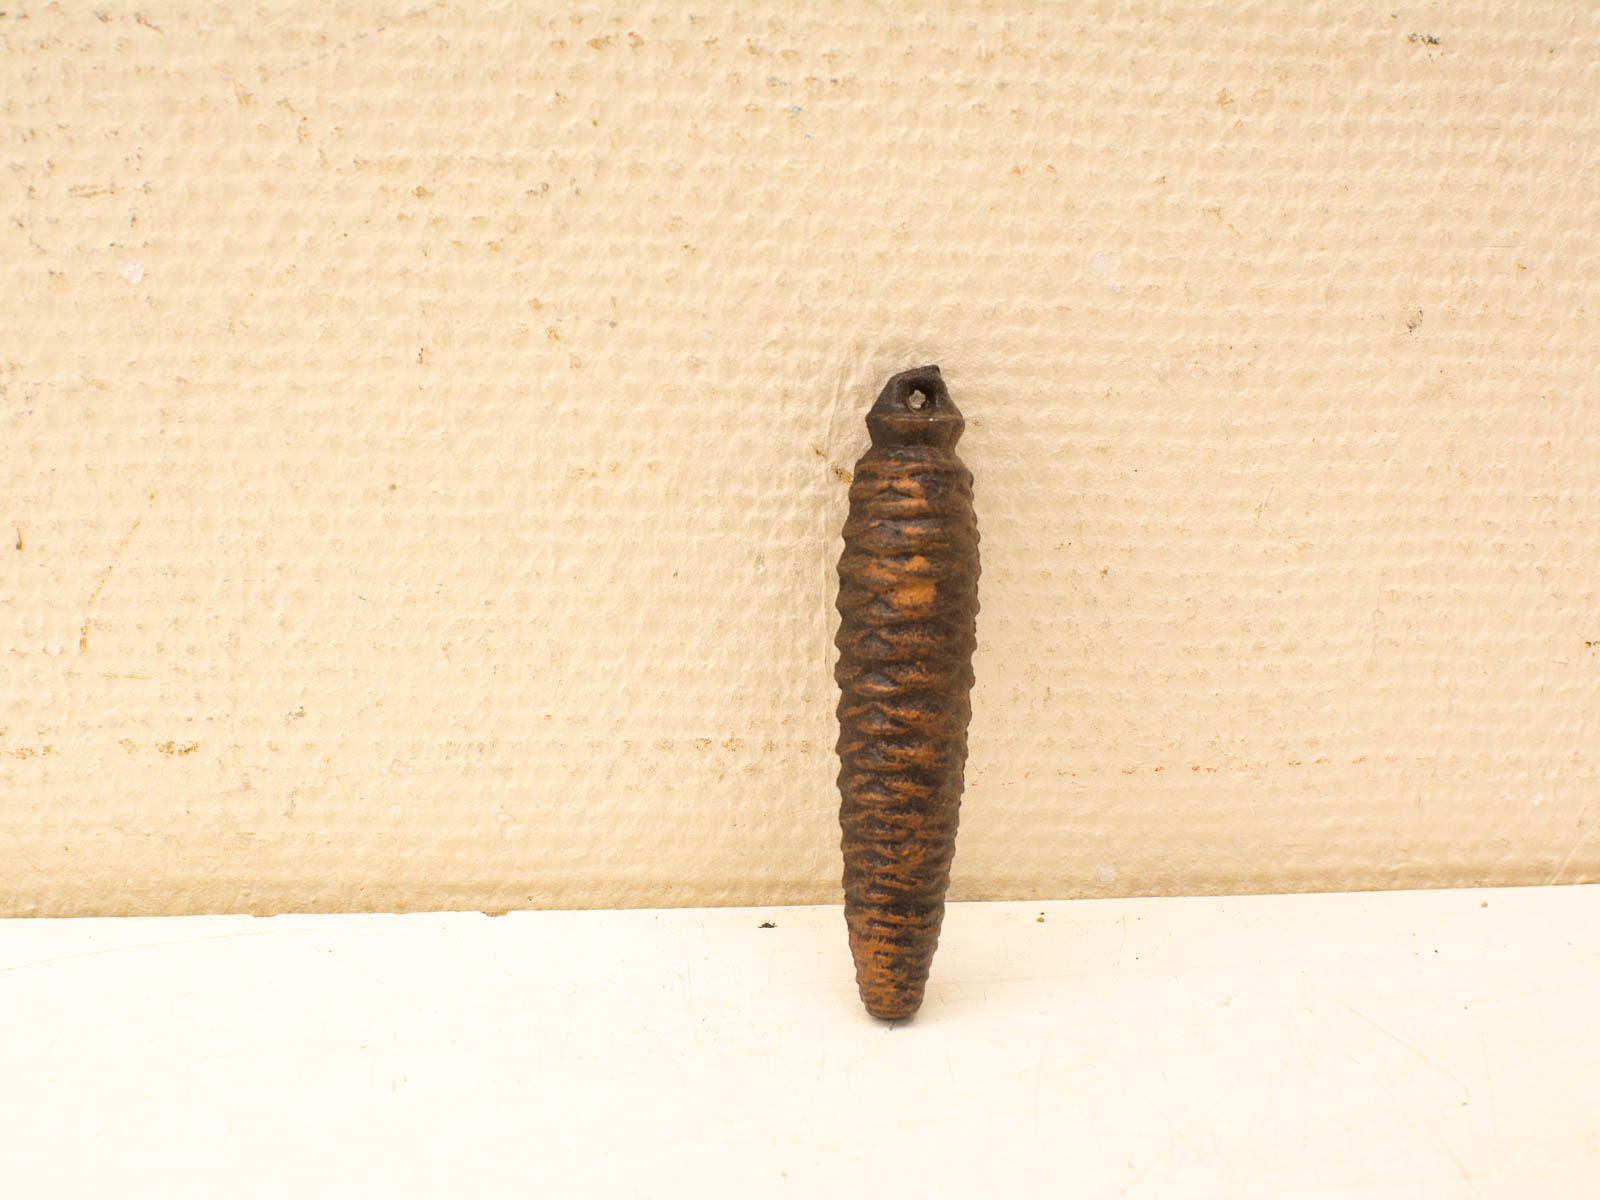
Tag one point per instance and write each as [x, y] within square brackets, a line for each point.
[915, 408]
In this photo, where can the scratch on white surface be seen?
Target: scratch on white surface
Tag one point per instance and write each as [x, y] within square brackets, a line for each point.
[1443, 1070]
[1494, 1113]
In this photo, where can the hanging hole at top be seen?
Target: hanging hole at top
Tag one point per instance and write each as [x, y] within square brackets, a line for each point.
[921, 399]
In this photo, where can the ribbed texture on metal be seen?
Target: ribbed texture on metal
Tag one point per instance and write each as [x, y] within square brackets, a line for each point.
[908, 599]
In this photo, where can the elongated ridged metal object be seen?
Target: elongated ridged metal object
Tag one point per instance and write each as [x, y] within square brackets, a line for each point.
[908, 602]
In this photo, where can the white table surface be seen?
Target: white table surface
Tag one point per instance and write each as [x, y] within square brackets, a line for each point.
[1405, 1044]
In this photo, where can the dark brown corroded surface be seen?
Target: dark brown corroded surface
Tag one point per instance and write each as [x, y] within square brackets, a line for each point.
[908, 599]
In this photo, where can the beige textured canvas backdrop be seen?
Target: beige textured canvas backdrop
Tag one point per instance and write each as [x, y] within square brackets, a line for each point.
[424, 433]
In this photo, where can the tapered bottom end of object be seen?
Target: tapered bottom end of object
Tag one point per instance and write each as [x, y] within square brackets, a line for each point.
[897, 1007]
[893, 950]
